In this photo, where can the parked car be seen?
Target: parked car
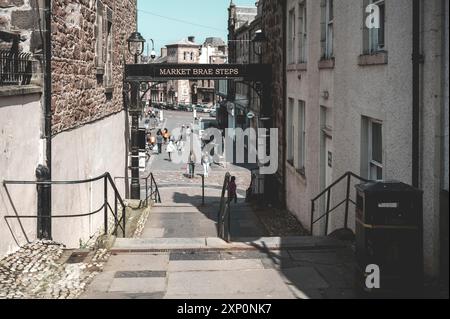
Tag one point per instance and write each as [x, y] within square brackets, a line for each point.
[182, 107]
[213, 113]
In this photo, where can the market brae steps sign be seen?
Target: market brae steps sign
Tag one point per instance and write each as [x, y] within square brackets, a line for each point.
[164, 72]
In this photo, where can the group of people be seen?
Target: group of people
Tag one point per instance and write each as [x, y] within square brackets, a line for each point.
[162, 137]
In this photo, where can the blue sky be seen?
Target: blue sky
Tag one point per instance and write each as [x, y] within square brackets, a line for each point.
[159, 19]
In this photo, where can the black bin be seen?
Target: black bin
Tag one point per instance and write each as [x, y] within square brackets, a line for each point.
[142, 140]
[389, 234]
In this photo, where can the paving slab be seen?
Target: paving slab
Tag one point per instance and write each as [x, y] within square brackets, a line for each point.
[138, 285]
[227, 282]
[153, 233]
[136, 262]
[124, 244]
[214, 265]
[304, 278]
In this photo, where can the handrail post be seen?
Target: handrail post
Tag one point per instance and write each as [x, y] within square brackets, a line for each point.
[124, 218]
[151, 188]
[347, 203]
[116, 216]
[313, 208]
[146, 192]
[327, 219]
[106, 204]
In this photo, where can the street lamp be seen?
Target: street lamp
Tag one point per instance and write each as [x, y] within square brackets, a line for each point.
[136, 45]
[153, 53]
[258, 40]
[136, 48]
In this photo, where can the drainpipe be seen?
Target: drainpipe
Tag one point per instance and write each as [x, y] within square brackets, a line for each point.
[417, 59]
[45, 173]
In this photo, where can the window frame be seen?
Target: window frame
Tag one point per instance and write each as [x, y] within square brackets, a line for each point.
[372, 163]
[302, 32]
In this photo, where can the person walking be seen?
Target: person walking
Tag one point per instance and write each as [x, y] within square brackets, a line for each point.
[171, 149]
[191, 164]
[232, 190]
[206, 162]
[159, 141]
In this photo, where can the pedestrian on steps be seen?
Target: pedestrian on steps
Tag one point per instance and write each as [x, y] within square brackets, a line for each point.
[232, 190]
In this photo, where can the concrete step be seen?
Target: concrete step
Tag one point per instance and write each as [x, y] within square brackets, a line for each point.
[127, 245]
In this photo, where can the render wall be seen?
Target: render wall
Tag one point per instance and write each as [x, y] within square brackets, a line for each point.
[84, 153]
[20, 153]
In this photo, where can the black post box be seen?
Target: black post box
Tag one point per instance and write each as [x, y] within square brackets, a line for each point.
[389, 234]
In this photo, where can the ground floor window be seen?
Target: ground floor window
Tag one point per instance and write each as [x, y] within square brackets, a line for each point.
[372, 149]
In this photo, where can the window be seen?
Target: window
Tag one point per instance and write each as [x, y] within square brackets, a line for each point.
[192, 56]
[184, 56]
[374, 38]
[327, 29]
[372, 148]
[302, 33]
[296, 124]
[301, 156]
[291, 130]
[100, 25]
[291, 37]
[108, 78]
[375, 151]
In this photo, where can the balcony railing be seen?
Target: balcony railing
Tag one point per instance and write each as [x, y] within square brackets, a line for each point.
[15, 68]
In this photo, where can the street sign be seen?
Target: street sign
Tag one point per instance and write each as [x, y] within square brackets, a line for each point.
[164, 72]
[251, 115]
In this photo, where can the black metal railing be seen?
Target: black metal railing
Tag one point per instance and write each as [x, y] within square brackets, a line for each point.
[224, 217]
[328, 192]
[151, 189]
[15, 68]
[119, 221]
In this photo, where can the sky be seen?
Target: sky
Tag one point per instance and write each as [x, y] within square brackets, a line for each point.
[167, 21]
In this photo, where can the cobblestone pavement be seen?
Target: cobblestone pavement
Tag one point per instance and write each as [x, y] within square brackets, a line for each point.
[41, 270]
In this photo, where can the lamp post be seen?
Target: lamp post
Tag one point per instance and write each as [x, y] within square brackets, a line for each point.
[258, 40]
[136, 48]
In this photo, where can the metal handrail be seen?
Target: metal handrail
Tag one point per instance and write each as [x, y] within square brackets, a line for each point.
[346, 201]
[224, 216]
[118, 222]
[151, 192]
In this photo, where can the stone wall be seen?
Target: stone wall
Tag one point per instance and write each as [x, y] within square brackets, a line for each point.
[273, 26]
[21, 16]
[80, 95]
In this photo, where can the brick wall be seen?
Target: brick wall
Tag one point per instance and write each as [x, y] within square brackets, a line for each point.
[273, 26]
[80, 94]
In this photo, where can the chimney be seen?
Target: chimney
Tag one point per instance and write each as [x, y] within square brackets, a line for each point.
[191, 38]
[163, 52]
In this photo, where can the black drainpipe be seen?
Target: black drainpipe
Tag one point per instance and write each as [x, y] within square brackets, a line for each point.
[417, 59]
[44, 225]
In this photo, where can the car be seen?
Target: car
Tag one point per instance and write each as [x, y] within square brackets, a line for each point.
[182, 107]
[213, 113]
[190, 108]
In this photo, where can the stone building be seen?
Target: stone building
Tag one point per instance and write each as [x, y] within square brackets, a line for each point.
[89, 123]
[349, 107]
[185, 51]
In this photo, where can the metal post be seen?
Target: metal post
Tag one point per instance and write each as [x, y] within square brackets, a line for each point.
[135, 181]
[105, 204]
[327, 218]
[44, 221]
[146, 192]
[203, 190]
[347, 203]
[313, 208]
[116, 215]
[124, 221]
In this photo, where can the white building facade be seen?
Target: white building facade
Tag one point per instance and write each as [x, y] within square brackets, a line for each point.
[349, 106]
